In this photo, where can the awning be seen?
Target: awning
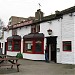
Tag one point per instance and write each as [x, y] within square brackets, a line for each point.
[33, 35]
[14, 37]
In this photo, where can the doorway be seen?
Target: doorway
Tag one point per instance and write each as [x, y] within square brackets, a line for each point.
[51, 44]
[5, 47]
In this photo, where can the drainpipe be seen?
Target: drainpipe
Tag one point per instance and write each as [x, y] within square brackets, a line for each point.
[61, 41]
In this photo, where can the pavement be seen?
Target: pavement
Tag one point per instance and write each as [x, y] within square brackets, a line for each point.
[30, 67]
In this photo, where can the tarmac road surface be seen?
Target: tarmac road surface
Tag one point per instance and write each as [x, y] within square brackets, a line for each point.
[29, 67]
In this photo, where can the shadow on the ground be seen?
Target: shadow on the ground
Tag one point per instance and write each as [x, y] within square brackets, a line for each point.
[69, 66]
[7, 71]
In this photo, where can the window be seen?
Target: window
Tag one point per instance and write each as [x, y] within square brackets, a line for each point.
[16, 45]
[9, 45]
[38, 46]
[67, 46]
[28, 46]
[14, 32]
[0, 45]
[38, 28]
[33, 29]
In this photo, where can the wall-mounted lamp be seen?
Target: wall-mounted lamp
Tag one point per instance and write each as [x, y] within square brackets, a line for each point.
[49, 31]
[49, 22]
[70, 14]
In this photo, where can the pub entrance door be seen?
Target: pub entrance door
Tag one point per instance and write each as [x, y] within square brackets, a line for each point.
[51, 44]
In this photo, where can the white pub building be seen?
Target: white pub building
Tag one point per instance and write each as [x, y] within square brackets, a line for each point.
[56, 31]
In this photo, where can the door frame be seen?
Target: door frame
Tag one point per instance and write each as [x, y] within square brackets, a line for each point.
[52, 40]
[5, 48]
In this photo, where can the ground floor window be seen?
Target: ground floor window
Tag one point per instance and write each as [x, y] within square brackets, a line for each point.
[38, 46]
[33, 43]
[9, 45]
[28, 46]
[16, 45]
[0, 45]
[67, 46]
[34, 46]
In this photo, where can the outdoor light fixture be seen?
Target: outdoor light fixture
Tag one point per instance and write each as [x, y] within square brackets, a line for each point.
[49, 31]
[49, 22]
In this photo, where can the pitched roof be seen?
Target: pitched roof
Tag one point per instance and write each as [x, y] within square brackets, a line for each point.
[34, 35]
[14, 37]
[57, 15]
[69, 10]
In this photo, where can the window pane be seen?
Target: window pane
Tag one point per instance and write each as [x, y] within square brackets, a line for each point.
[38, 46]
[16, 45]
[14, 32]
[67, 45]
[28, 46]
[33, 29]
[10, 45]
[37, 28]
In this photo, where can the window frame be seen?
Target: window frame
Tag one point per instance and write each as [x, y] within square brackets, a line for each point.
[42, 46]
[13, 45]
[67, 45]
[19, 42]
[27, 42]
[35, 28]
[8, 46]
[38, 28]
[33, 45]
[14, 32]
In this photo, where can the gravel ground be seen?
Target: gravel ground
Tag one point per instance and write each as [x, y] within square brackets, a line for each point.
[29, 67]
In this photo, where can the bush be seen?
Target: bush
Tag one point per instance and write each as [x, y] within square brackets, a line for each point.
[19, 55]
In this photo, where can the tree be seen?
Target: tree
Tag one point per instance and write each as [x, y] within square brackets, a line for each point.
[1, 24]
[1, 28]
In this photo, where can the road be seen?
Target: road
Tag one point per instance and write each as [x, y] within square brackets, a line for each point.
[29, 67]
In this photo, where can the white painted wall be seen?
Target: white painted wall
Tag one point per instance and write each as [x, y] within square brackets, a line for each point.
[74, 38]
[64, 29]
[6, 34]
[23, 31]
[10, 53]
[55, 25]
[34, 56]
[68, 35]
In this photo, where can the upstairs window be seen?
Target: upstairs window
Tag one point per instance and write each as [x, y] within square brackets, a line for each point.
[67, 46]
[14, 32]
[38, 28]
[35, 28]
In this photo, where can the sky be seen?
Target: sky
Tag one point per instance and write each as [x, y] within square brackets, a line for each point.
[27, 8]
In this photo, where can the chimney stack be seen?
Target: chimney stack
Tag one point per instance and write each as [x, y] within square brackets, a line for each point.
[39, 15]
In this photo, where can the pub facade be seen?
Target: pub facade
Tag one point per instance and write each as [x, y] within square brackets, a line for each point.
[55, 31]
